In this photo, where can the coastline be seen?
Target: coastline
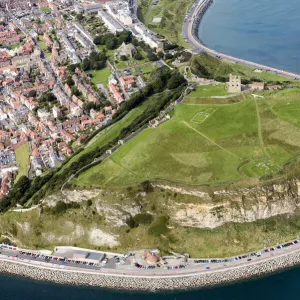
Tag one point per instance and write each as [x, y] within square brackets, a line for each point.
[150, 283]
[190, 33]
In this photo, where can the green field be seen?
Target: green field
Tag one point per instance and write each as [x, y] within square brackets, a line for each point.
[46, 9]
[101, 76]
[209, 144]
[209, 91]
[22, 157]
[110, 133]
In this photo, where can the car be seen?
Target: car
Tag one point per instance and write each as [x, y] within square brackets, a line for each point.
[105, 260]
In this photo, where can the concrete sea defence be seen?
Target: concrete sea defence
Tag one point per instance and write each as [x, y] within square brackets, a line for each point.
[150, 283]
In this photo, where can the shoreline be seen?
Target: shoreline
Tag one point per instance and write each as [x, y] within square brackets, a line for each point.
[150, 283]
[190, 33]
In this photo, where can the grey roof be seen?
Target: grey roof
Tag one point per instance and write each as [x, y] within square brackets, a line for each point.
[95, 256]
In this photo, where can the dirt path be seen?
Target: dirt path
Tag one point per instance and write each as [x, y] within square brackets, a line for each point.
[212, 141]
[260, 137]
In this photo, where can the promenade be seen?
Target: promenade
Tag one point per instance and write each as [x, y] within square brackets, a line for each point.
[190, 30]
[131, 278]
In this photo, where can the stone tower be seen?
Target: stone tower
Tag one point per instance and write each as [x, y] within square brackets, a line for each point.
[234, 84]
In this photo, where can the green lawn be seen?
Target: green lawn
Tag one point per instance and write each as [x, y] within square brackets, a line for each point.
[46, 9]
[42, 44]
[101, 76]
[209, 91]
[22, 157]
[208, 144]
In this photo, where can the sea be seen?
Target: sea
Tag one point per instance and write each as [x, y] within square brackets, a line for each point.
[262, 31]
[284, 285]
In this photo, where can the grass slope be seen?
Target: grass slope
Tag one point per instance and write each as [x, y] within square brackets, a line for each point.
[172, 13]
[208, 144]
[204, 65]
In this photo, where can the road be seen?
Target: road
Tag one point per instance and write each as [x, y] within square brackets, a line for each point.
[175, 267]
[188, 32]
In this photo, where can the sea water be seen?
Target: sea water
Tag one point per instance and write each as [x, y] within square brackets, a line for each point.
[262, 31]
[283, 285]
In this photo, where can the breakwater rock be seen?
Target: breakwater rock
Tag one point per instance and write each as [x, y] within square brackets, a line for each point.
[159, 282]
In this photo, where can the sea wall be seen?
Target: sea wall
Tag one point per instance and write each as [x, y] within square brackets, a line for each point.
[152, 283]
[196, 23]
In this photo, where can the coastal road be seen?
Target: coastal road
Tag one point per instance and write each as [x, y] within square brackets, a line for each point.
[190, 28]
[128, 269]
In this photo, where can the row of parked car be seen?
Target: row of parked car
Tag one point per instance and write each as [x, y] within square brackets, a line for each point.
[248, 255]
[48, 258]
[144, 267]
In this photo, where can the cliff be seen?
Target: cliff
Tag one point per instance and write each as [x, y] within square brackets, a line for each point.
[240, 206]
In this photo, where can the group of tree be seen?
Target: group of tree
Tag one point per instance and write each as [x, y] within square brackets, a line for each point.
[95, 61]
[113, 41]
[47, 97]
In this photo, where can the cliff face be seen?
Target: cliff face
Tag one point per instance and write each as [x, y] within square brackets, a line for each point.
[245, 205]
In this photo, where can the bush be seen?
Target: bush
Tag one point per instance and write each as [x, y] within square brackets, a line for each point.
[147, 186]
[6, 241]
[159, 227]
[143, 218]
[131, 223]
[60, 208]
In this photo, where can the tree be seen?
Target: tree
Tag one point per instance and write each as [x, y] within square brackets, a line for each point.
[111, 43]
[75, 91]
[175, 81]
[70, 81]
[97, 40]
[125, 37]
[73, 67]
[169, 56]
[98, 65]
[86, 64]
[60, 208]
[138, 56]
[123, 57]
[32, 93]
[152, 56]
[160, 54]
[157, 85]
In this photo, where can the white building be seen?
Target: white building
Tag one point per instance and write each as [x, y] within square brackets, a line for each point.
[56, 112]
[143, 33]
[110, 22]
